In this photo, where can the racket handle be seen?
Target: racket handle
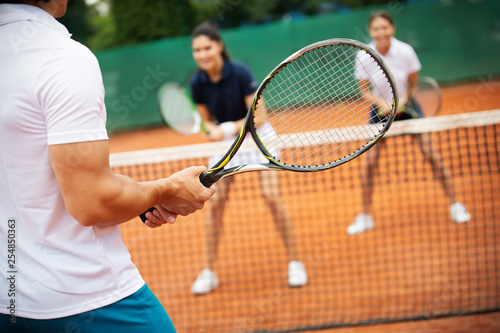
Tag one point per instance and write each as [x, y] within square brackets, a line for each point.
[143, 215]
[206, 180]
[204, 129]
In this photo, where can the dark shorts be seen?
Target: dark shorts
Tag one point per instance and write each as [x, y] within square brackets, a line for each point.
[374, 118]
[140, 312]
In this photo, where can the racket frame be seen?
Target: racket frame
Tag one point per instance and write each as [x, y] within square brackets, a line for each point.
[435, 85]
[410, 110]
[198, 121]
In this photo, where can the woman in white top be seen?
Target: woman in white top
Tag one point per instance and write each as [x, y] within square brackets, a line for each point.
[405, 66]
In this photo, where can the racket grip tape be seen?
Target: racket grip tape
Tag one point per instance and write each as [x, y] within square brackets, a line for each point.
[206, 180]
[143, 215]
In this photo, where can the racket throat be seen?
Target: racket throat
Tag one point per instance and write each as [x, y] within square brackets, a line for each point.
[208, 178]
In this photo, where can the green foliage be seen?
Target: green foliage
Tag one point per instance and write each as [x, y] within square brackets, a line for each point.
[75, 20]
[136, 21]
[145, 20]
[231, 13]
[103, 34]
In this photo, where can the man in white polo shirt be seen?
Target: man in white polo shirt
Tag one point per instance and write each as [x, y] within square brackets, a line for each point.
[62, 258]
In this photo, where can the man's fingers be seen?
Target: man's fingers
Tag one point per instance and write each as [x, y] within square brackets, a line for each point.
[166, 215]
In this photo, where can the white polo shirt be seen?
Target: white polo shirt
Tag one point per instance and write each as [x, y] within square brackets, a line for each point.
[51, 92]
[401, 60]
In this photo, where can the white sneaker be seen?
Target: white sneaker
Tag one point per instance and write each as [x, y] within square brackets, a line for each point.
[297, 275]
[205, 282]
[459, 213]
[362, 223]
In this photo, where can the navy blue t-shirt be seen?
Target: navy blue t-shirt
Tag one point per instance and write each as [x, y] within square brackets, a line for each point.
[225, 99]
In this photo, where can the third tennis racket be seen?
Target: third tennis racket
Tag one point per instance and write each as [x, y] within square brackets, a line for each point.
[178, 110]
[427, 99]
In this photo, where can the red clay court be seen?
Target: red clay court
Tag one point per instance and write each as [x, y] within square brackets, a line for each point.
[413, 268]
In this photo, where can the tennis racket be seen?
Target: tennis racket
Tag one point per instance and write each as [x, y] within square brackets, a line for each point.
[178, 111]
[427, 98]
[309, 115]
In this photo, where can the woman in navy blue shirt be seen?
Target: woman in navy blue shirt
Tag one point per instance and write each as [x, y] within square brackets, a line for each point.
[223, 90]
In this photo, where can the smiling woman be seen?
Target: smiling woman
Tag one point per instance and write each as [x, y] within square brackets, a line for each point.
[209, 51]
[223, 91]
[404, 64]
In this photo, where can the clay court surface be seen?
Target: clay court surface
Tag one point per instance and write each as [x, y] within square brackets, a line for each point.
[170, 279]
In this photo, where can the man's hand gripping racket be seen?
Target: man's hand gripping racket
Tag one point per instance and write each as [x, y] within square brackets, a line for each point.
[308, 114]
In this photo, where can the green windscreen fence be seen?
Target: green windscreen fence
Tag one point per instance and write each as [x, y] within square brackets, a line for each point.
[455, 40]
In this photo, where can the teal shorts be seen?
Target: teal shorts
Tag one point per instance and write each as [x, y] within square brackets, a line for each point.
[140, 312]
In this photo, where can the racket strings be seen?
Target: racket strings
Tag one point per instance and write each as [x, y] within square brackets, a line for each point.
[350, 119]
[314, 106]
[177, 110]
[322, 96]
[378, 80]
[320, 100]
[428, 96]
[339, 85]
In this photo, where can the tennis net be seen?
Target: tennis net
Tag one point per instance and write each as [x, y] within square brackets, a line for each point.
[415, 264]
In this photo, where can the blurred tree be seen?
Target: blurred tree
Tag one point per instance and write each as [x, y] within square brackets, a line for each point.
[118, 22]
[144, 20]
[230, 13]
[102, 33]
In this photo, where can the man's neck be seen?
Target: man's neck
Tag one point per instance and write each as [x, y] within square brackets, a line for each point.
[56, 8]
